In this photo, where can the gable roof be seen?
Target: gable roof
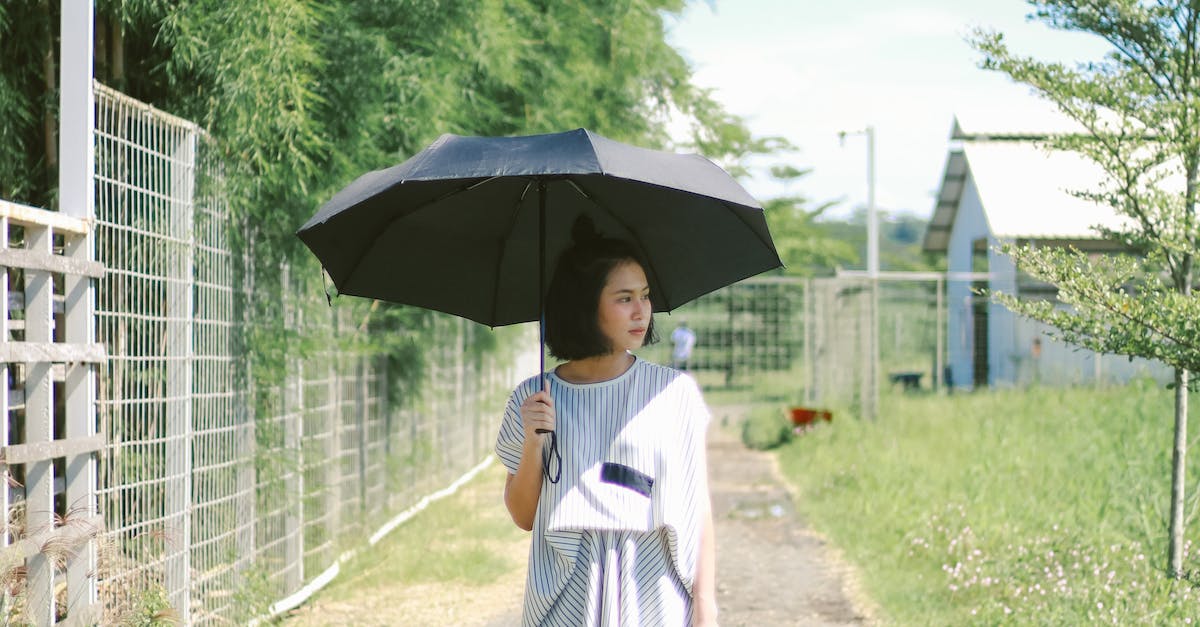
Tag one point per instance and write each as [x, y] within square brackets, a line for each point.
[1024, 189]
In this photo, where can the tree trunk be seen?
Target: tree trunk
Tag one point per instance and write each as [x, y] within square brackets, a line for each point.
[116, 50]
[1175, 550]
[1183, 285]
[49, 120]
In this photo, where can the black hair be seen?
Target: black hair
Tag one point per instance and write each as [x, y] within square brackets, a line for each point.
[573, 300]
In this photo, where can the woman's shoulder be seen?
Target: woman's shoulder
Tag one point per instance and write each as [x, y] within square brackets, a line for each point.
[666, 376]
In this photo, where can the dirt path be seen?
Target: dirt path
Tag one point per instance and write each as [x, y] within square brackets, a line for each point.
[771, 569]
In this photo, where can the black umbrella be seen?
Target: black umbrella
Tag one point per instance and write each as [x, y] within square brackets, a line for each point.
[468, 225]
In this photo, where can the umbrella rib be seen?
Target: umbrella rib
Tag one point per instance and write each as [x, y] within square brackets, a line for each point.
[637, 241]
[379, 232]
[512, 223]
[766, 241]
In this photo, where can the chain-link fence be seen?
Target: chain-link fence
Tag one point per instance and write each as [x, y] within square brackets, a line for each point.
[220, 492]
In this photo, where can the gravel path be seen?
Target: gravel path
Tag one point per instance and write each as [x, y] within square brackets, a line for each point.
[771, 569]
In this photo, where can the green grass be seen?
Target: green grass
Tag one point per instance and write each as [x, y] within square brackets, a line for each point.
[1045, 506]
[455, 539]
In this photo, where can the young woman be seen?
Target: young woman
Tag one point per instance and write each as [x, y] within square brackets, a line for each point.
[622, 523]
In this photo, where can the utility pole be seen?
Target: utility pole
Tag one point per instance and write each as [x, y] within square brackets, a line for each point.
[870, 404]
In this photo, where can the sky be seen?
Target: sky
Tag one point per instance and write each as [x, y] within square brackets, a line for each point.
[806, 69]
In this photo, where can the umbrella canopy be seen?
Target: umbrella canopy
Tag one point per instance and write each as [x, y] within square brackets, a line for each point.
[472, 226]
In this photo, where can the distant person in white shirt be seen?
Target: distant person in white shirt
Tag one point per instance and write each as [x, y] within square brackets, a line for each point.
[684, 340]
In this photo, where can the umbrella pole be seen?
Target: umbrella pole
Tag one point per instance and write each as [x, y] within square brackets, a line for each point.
[542, 281]
[554, 454]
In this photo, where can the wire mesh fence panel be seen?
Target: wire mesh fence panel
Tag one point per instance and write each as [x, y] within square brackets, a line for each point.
[743, 332]
[374, 391]
[840, 340]
[318, 445]
[144, 206]
[909, 330]
[834, 342]
[223, 434]
[238, 470]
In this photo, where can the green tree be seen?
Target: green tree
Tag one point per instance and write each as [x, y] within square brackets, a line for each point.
[804, 243]
[1140, 106]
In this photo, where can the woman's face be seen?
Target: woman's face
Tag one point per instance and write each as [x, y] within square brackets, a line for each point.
[624, 309]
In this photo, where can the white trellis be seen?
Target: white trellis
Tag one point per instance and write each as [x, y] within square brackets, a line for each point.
[48, 360]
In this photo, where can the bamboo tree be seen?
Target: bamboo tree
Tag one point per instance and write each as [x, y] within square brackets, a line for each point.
[1140, 107]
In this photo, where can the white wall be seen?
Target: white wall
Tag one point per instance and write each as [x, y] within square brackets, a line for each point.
[1010, 337]
[969, 224]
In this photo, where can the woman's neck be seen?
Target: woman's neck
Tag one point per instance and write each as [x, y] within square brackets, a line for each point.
[595, 369]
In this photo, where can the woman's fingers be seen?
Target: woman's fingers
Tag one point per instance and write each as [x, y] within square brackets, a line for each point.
[538, 412]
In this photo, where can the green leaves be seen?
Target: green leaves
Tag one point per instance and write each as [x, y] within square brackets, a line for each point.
[1114, 305]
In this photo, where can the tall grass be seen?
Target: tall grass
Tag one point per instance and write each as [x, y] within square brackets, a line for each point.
[1046, 506]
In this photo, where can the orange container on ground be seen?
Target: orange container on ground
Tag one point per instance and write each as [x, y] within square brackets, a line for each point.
[804, 416]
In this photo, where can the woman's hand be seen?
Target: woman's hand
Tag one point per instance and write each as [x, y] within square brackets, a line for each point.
[523, 489]
[537, 413]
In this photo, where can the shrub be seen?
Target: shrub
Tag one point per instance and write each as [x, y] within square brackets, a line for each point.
[766, 428]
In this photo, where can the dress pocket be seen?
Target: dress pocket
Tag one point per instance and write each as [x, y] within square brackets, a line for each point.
[624, 476]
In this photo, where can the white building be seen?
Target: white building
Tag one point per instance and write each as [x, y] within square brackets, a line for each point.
[1001, 188]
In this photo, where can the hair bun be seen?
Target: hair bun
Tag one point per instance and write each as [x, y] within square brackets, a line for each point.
[584, 230]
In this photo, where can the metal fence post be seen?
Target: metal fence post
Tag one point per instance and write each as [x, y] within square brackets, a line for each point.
[333, 464]
[810, 338]
[179, 352]
[361, 408]
[293, 438]
[875, 367]
[939, 367]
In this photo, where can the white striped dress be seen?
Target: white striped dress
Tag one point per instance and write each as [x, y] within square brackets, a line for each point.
[603, 553]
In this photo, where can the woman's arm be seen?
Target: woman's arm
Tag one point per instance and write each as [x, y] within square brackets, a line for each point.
[704, 587]
[523, 489]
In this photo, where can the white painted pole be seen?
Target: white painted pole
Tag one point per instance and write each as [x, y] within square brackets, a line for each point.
[871, 402]
[872, 211]
[76, 194]
[77, 111]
